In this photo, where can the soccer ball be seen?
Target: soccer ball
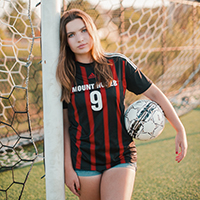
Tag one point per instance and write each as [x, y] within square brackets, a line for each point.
[144, 120]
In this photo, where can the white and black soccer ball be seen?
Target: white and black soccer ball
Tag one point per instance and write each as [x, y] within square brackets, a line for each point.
[144, 120]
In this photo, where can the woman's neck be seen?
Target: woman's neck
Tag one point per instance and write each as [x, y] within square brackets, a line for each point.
[84, 58]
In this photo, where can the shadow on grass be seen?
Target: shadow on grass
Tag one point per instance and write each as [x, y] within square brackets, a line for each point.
[197, 108]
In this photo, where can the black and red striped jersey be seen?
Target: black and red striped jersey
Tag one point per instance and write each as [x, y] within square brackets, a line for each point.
[99, 139]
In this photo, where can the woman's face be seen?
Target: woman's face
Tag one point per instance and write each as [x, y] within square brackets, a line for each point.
[79, 40]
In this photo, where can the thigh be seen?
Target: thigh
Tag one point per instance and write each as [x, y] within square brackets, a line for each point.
[90, 187]
[117, 183]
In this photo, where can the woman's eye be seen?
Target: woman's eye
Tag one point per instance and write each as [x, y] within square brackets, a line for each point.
[84, 30]
[70, 35]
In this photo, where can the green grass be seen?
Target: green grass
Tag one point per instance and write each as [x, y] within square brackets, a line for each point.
[158, 175]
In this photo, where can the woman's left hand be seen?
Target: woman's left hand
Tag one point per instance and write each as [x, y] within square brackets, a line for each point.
[155, 94]
[181, 142]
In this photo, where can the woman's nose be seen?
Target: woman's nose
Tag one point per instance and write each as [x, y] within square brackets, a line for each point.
[79, 37]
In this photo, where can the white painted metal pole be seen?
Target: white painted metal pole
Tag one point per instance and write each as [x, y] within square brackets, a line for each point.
[52, 107]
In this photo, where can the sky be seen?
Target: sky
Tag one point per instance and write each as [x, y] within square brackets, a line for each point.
[126, 3]
[114, 4]
[107, 4]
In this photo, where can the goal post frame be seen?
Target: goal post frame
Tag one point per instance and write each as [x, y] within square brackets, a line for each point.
[52, 106]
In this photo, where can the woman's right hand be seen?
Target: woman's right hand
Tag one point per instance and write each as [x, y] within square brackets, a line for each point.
[72, 181]
[71, 178]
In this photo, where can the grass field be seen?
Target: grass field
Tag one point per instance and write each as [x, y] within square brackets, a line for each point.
[158, 175]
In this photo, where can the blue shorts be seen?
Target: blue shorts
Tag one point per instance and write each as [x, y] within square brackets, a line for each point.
[80, 172]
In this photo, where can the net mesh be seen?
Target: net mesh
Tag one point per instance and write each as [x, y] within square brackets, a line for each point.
[161, 37]
[20, 93]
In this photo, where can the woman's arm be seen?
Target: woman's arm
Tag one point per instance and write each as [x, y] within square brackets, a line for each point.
[71, 178]
[155, 94]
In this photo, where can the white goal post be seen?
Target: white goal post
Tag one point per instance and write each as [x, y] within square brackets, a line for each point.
[52, 107]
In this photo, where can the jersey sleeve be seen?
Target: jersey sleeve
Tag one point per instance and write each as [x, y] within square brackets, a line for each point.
[136, 81]
[65, 105]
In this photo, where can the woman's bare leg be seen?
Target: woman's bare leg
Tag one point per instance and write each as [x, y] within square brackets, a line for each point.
[117, 184]
[90, 187]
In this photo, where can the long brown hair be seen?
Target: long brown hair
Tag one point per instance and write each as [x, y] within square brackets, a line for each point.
[66, 69]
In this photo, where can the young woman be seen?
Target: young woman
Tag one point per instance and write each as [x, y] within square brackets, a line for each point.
[100, 156]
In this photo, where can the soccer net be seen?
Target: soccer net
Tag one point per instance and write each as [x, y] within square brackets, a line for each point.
[20, 93]
[161, 37]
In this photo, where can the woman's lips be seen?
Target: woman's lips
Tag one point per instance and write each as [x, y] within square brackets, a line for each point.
[82, 46]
